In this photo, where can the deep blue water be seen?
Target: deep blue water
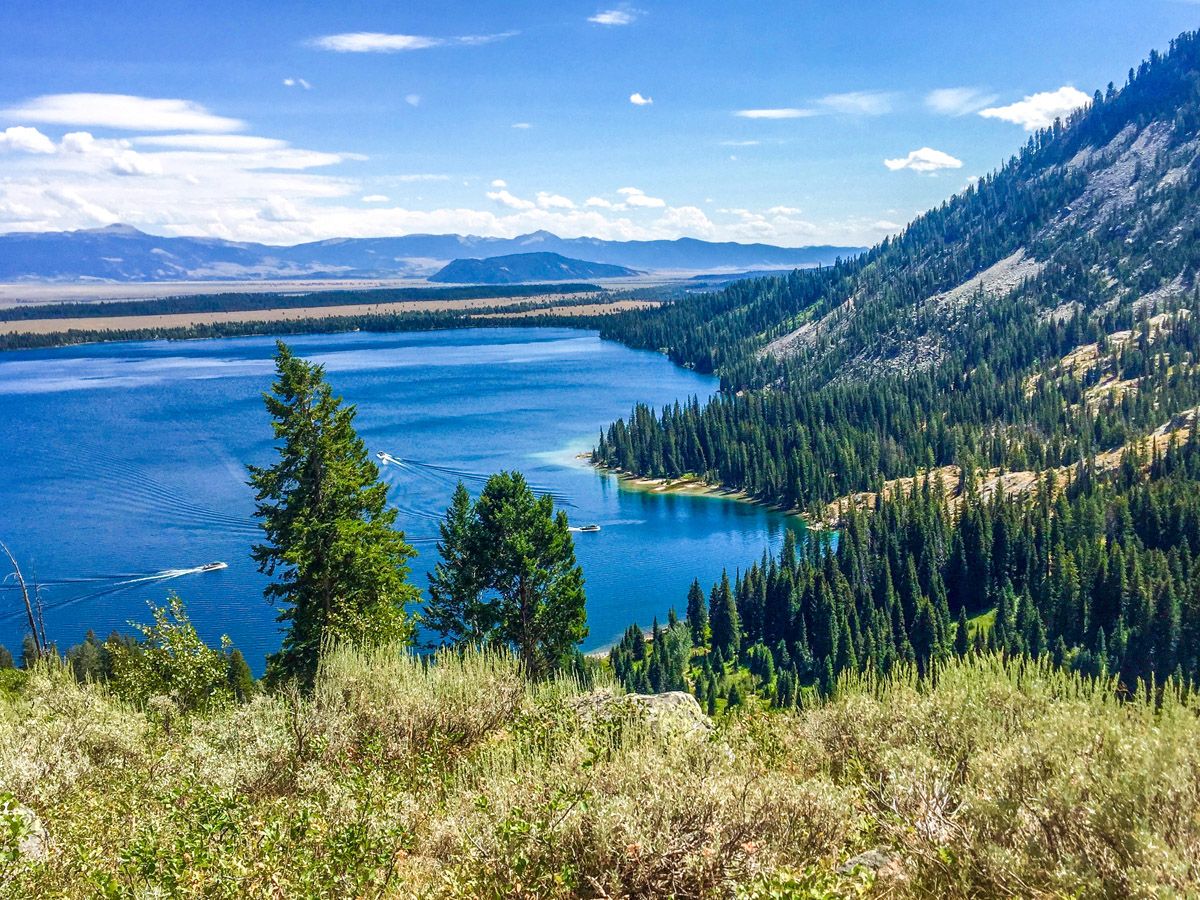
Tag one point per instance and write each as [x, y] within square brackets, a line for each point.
[123, 465]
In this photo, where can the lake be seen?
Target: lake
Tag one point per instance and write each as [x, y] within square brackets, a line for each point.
[123, 469]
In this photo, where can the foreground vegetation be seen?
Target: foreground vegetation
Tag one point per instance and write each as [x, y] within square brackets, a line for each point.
[399, 778]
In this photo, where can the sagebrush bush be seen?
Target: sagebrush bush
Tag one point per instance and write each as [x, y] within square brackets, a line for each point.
[402, 777]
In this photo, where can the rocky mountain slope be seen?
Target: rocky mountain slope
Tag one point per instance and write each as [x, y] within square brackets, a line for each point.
[948, 344]
[1096, 216]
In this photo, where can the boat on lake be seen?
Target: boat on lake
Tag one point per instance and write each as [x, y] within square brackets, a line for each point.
[214, 566]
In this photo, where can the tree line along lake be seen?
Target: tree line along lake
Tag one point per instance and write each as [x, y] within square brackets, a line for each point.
[125, 469]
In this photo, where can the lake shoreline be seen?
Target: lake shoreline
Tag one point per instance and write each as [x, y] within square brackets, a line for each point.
[695, 487]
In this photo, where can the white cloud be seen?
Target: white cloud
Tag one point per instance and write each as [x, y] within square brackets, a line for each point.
[411, 178]
[510, 200]
[297, 82]
[26, 140]
[740, 143]
[78, 142]
[521, 125]
[858, 103]
[637, 197]
[547, 200]
[638, 100]
[122, 111]
[499, 183]
[413, 99]
[382, 42]
[230, 143]
[622, 15]
[689, 220]
[924, 160]
[478, 40]
[1039, 110]
[781, 113]
[887, 225]
[130, 162]
[280, 209]
[117, 155]
[374, 42]
[958, 101]
[257, 188]
[73, 200]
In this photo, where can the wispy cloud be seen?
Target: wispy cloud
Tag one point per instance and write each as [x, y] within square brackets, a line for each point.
[1039, 110]
[413, 99]
[638, 100]
[778, 113]
[297, 82]
[232, 143]
[375, 198]
[853, 103]
[924, 160]
[958, 101]
[385, 42]
[621, 15]
[521, 125]
[740, 143]
[122, 111]
[414, 178]
[858, 103]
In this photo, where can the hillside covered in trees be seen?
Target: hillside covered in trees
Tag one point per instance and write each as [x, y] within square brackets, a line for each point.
[995, 410]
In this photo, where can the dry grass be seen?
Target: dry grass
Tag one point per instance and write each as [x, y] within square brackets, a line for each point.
[403, 779]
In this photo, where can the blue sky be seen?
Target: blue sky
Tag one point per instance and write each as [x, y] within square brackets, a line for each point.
[792, 123]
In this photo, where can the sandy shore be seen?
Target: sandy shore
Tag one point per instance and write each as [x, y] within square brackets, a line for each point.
[181, 320]
[688, 486]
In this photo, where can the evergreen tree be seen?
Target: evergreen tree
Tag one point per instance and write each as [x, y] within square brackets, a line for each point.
[29, 651]
[962, 634]
[735, 697]
[87, 659]
[511, 573]
[241, 680]
[339, 569]
[454, 608]
[724, 622]
[697, 614]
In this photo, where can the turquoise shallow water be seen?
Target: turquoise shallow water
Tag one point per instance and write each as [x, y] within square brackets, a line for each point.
[122, 468]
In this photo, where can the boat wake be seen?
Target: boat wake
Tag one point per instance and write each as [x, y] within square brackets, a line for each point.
[113, 585]
[447, 475]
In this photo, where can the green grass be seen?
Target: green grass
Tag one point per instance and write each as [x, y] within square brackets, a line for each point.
[984, 620]
[401, 779]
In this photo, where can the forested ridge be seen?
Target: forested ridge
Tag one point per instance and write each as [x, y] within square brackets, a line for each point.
[1043, 321]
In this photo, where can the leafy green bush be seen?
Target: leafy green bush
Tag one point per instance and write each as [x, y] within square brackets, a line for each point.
[172, 662]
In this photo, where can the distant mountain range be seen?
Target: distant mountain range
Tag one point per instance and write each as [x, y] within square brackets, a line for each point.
[519, 267]
[121, 253]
